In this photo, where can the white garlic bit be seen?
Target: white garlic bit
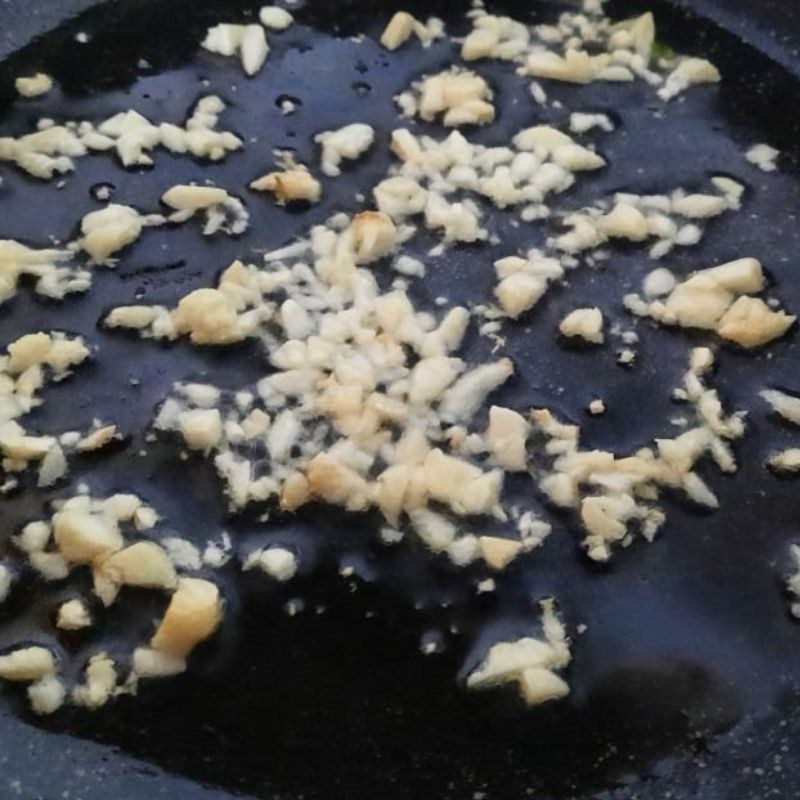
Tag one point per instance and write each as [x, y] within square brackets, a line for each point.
[33, 85]
[533, 664]
[344, 144]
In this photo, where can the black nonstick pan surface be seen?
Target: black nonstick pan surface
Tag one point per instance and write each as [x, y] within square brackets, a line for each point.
[685, 683]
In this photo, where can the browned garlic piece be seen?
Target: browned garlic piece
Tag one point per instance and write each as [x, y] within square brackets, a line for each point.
[193, 615]
[718, 299]
[402, 26]
[84, 530]
[248, 42]
[347, 143]
[289, 185]
[142, 564]
[461, 96]
[498, 553]
[533, 664]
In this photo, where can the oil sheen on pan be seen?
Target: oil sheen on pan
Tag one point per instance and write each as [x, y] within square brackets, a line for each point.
[397, 402]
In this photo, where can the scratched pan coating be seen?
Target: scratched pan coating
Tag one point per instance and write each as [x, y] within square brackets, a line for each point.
[686, 679]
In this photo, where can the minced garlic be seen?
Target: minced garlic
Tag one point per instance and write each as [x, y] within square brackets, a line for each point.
[73, 616]
[193, 614]
[763, 156]
[461, 96]
[289, 185]
[402, 26]
[718, 299]
[278, 562]
[34, 85]
[275, 18]
[347, 143]
[584, 323]
[246, 41]
[533, 664]
[223, 211]
[620, 490]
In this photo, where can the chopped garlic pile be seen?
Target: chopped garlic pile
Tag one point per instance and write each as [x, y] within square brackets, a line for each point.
[615, 496]
[367, 401]
[523, 281]
[583, 47]
[352, 366]
[248, 42]
[541, 162]
[36, 666]
[222, 211]
[31, 361]
[53, 279]
[290, 184]
[106, 535]
[671, 220]
[52, 149]
[460, 96]
[402, 26]
[719, 299]
[345, 144]
[533, 664]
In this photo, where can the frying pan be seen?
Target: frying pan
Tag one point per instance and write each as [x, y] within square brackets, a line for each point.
[685, 682]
